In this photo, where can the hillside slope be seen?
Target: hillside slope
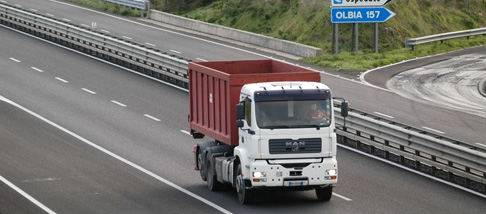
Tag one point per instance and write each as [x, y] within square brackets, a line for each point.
[308, 22]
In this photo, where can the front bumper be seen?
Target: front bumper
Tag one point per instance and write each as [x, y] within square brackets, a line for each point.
[265, 173]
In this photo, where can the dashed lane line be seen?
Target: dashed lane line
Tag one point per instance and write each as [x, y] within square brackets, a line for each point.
[89, 91]
[152, 117]
[118, 103]
[62, 80]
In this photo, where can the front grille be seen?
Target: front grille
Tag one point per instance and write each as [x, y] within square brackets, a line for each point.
[289, 146]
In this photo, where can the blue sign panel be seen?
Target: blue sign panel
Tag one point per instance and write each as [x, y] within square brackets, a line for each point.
[337, 2]
[360, 14]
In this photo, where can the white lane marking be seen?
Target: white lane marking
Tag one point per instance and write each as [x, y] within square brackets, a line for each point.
[126, 37]
[33, 10]
[342, 197]
[85, 25]
[62, 80]
[480, 144]
[200, 59]
[48, 14]
[384, 115]
[177, 52]
[36, 69]
[413, 171]
[150, 44]
[105, 31]
[89, 91]
[118, 103]
[67, 20]
[30, 198]
[186, 132]
[100, 60]
[15, 60]
[42, 180]
[152, 117]
[434, 130]
[167, 182]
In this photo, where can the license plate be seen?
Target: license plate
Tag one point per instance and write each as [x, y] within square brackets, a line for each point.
[296, 183]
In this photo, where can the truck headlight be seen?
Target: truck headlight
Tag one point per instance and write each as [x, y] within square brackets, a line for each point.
[331, 172]
[259, 174]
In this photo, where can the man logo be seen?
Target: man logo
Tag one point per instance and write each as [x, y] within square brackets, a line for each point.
[295, 146]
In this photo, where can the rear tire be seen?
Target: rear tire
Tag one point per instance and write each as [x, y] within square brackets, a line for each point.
[213, 183]
[324, 193]
[201, 165]
[201, 157]
[244, 195]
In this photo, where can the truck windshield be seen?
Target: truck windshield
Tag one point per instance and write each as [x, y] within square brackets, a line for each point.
[293, 114]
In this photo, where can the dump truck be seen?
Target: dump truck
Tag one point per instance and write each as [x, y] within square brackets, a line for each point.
[271, 126]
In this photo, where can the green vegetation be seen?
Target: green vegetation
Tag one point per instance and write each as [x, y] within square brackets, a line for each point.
[308, 22]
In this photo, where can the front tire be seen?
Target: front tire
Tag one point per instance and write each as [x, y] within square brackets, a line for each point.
[324, 193]
[244, 195]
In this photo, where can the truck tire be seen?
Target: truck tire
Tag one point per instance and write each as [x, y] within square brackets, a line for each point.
[201, 157]
[213, 183]
[201, 165]
[324, 193]
[244, 195]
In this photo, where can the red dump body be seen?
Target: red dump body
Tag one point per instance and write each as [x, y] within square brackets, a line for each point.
[214, 91]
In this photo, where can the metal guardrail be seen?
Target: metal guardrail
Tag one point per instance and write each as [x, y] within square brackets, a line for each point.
[443, 36]
[167, 67]
[451, 160]
[143, 5]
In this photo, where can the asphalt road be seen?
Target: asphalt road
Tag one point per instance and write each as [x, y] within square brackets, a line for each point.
[452, 83]
[415, 113]
[141, 120]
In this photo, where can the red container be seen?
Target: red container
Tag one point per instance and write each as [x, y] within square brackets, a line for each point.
[214, 91]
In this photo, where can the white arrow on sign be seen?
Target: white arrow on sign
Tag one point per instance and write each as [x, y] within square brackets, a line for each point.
[358, 3]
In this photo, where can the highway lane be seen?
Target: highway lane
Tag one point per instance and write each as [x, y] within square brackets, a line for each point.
[369, 99]
[68, 176]
[161, 147]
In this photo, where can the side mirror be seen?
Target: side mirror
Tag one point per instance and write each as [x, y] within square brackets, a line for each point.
[240, 111]
[240, 123]
[344, 109]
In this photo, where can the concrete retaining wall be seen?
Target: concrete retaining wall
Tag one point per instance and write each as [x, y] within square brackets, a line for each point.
[238, 35]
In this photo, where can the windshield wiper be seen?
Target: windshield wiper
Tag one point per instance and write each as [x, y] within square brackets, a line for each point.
[276, 127]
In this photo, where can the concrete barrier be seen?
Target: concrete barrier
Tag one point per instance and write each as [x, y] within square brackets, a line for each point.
[237, 35]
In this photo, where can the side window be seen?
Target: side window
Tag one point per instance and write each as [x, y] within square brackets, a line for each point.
[248, 112]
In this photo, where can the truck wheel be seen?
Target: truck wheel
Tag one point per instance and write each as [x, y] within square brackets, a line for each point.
[201, 165]
[324, 193]
[213, 183]
[244, 195]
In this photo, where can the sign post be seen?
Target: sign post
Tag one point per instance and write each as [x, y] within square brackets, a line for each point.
[360, 11]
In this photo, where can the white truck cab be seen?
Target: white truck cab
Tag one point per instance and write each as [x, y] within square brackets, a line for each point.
[283, 140]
